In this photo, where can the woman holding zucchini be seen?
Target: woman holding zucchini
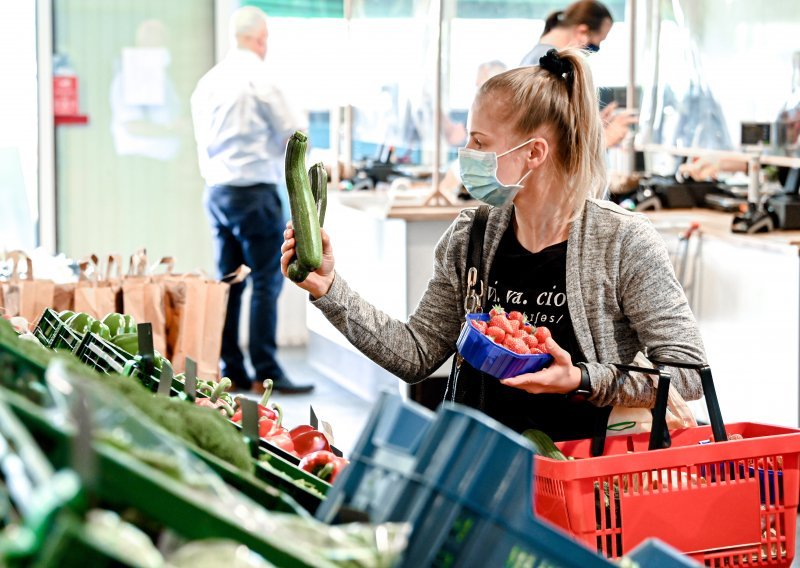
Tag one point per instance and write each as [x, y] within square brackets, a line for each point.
[599, 277]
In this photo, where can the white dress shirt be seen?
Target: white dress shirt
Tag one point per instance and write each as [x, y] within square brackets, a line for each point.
[241, 122]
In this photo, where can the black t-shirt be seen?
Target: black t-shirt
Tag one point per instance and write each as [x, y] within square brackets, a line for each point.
[534, 284]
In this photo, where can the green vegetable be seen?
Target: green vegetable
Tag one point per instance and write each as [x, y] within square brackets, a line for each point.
[544, 445]
[115, 322]
[305, 219]
[65, 315]
[128, 342]
[319, 187]
[130, 324]
[100, 329]
[80, 322]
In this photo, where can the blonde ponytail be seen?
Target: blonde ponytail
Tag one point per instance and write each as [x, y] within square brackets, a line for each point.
[559, 94]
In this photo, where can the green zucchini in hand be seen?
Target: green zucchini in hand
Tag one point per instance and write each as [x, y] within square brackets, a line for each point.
[305, 219]
[319, 187]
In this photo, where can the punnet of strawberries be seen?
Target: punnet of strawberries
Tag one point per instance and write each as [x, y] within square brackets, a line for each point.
[513, 331]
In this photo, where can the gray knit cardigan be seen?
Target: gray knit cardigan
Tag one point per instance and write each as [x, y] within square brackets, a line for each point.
[622, 294]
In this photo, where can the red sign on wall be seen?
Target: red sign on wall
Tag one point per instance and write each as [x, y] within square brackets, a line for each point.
[65, 95]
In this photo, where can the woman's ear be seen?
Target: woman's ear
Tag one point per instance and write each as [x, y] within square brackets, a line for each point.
[538, 150]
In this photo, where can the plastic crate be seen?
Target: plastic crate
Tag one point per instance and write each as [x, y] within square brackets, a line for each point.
[66, 338]
[654, 552]
[47, 326]
[701, 497]
[102, 355]
[463, 482]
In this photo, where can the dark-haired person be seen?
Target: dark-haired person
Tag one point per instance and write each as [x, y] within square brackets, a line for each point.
[585, 25]
[535, 154]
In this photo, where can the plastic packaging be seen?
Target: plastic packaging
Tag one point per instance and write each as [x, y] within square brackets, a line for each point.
[487, 356]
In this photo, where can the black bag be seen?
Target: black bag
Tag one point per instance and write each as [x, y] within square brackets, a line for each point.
[432, 391]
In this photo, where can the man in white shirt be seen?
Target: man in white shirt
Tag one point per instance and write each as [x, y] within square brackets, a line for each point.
[242, 123]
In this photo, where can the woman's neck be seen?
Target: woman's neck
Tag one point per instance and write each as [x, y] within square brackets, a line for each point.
[557, 37]
[541, 217]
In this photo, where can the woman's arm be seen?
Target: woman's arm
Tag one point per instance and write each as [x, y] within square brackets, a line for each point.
[654, 303]
[414, 349]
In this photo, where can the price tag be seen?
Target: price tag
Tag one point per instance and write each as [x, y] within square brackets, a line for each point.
[146, 350]
[165, 381]
[250, 423]
[82, 454]
[190, 383]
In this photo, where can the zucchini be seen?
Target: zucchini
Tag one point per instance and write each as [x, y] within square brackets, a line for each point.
[544, 445]
[319, 187]
[305, 219]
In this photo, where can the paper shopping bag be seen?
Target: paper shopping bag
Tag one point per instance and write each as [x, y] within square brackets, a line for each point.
[23, 295]
[143, 299]
[196, 308]
[93, 295]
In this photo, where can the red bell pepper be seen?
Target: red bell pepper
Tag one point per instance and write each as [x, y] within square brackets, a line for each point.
[323, 464]
[263, 409]
[216, 403]
[277, 434]
[307, 440]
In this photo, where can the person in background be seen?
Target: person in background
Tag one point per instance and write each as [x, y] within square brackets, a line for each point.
[600, 276]
[242, 122]
[451, 182]
[584, 24]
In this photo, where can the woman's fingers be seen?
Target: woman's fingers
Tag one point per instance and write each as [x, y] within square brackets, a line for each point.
[288, 244]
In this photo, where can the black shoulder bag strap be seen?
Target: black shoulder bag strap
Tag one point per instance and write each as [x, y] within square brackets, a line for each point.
[471, 300]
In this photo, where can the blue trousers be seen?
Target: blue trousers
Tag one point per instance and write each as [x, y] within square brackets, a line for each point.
[247, 226]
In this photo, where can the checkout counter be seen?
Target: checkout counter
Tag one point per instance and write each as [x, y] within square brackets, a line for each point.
[745, 293]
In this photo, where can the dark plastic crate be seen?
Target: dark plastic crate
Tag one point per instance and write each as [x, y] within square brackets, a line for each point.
[67, 339]
[657, 553]
[47, 327]
[102, 355]
[462, 480]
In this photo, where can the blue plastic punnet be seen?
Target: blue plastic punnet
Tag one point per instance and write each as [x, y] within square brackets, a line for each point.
[487, 356]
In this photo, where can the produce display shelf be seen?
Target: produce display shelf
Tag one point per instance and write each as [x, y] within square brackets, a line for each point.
[124, 481]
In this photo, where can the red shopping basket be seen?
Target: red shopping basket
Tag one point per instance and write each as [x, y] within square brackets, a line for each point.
[723, 503]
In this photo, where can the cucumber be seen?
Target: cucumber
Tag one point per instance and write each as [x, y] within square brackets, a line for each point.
[319, 187]
[305, 219]
[544, 444]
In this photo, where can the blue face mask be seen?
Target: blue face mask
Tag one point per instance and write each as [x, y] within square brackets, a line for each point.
[592, 47]
[479, 176]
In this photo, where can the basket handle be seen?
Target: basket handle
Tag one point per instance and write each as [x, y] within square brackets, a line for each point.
[707, 382]
[659, 435]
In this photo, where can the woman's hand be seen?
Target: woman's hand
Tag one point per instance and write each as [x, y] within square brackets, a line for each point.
[318, 282]
[560, 377]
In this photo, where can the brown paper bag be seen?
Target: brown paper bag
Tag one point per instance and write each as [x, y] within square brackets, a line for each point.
[64, 297]
[196, 308]
[143, 299]
[93, 295]
[25, 296]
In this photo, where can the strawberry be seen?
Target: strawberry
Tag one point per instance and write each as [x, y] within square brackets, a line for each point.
[520, 334]
[536, 351]
[502, 322]
[542, 347]
[515, 324]
[496, 334]
[530, 341]
[480, 325]
[542, 333]
[497, 310]
[528, 327]
[519, 316]
[516, 345]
